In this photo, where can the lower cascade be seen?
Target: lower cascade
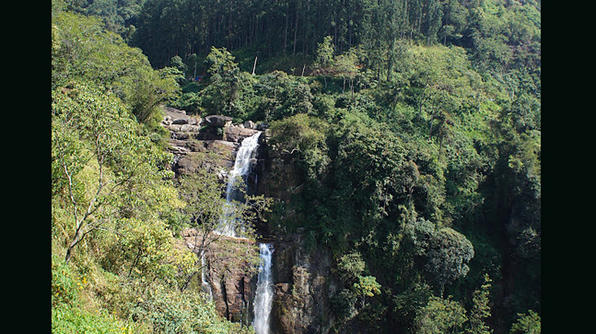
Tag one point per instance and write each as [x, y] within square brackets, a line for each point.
[264, 293]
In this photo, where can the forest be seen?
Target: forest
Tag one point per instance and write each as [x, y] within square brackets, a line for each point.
[403, 140]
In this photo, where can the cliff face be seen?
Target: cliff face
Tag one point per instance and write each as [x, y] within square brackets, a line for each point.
[302, 288]
[302, 277]
[231, 274]
[302, 283]
[192, 139]
[211, 144]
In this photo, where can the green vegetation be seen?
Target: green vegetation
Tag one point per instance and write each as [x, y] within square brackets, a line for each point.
[117, 266]
[412, 130]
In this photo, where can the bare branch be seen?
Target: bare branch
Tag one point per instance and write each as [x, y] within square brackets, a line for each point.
[72, 199]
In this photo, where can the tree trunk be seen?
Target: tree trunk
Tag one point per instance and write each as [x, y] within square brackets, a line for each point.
[187, 282]
[295, 32]
[69, 251]
[286, 33]
[134, 263]
[391, 56]
[430, 131]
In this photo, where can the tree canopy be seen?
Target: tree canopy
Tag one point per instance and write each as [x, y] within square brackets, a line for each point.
[402, 137]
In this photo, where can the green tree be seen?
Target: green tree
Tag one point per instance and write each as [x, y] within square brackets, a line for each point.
[146, 90]
[205, 207]
[93, 130]
[87, 52]
[227, 85]
[441, 316]
[350, 266]
[526, 323]
[280, 95]
[366, 286]
[448, 255]
[480, 309]
[324, 54]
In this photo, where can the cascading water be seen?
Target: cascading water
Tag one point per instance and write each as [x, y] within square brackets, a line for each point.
[242, 167]
[228, 225]
[264, 293]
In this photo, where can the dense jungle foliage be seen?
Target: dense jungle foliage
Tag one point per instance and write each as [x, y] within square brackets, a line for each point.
[414, 127]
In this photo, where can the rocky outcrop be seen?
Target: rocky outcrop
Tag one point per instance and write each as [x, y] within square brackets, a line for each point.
[302, 278]
[218, 121]
[237, 133]
[211, 143]
[196, 144]
[181, 125]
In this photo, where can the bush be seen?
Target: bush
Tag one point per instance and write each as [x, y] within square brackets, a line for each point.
[350, 266]
[64, 287]
[526, 323]
[68, 319]
[302, 139]
[343, 305]
[170, 311]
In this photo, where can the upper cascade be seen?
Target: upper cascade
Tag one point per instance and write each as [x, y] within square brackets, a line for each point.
[242, 168]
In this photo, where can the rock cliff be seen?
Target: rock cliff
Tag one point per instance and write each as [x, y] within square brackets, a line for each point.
[302, 278]
[231, 274]
[211, 143]
[302, 288]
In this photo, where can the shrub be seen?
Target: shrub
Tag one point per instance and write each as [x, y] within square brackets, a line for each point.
[64, 289]
[170, 311]
[526, 323]
[68, 319]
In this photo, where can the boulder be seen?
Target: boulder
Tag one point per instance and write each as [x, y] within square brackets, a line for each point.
[180, 121]
[173, 112]
[250, 125]
[212, 155]
[281, 288]
[179, 135]
[218, 121]
[235, 133]
[190, 128]
[223, 148]
[184, 128]
[175, 116]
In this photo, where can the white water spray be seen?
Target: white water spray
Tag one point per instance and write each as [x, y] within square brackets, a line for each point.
[242, 166]
[264, 293]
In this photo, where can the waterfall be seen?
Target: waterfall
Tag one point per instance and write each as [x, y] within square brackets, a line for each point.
[264, 293]
[242, 167]
[228, 226]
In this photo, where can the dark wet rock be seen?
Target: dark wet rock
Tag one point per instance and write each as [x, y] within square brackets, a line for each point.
[218, 121]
